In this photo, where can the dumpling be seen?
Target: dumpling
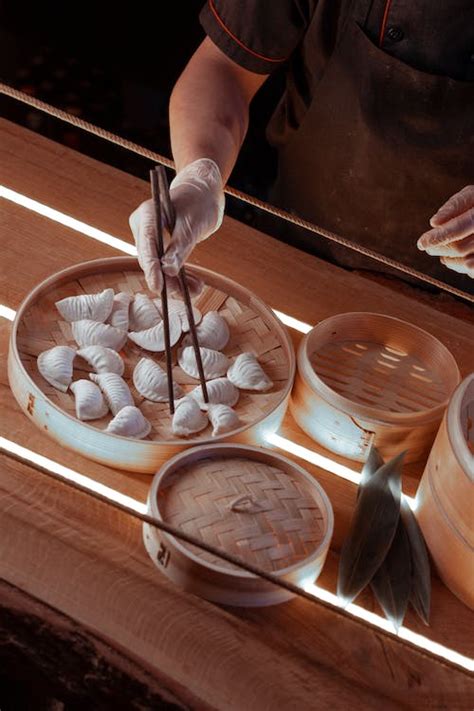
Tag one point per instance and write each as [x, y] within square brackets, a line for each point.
[153, 339]
[179, 308]
[213, 332]
[91, 333]
[214, 363]
[90, 403]
[188, 418]
[220, 391]
[96, 307]
[223, 419]
[129, 422]
[247, 373]
[143, 313]
[116, 391]
[120, 307]
[102, 359]
[151, 381]
[55, 365]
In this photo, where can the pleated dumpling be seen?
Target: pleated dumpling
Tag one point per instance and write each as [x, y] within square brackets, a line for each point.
[247, 373]
[119, 316]
[223, 419]
[177, 307]
[102, 359]
[153, 339]
[116, 391]
[90, 403]
[96, 307]
[143, 313]
[92, 333]
[219, 391]
[151, 381]
[188, 418]
[214, 363]
[129, 422]
[55, 365]
[213, 332]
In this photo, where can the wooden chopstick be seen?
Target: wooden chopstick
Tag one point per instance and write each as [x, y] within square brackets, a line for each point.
[170, 217]
[155, 193]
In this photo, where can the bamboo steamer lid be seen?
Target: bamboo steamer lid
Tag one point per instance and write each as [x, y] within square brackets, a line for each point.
[445, 497]
[250, 502]
[367, 378]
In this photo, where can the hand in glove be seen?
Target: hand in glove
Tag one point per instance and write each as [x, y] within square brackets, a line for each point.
[452, 236]
[198, 198]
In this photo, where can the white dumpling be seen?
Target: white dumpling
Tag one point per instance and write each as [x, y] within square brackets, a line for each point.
[223, 419]
[153, 339]
[129, 422]
[214, 363]
[213, 332]
[55, 365]
[102, 359]
[179, 309]
[188, 418]
[116, 391]
[143, 313]
[151, 381]
[119, 316]
[247, 373]
[92, 333]
[96, 307]
[219, 391]
[90, 403]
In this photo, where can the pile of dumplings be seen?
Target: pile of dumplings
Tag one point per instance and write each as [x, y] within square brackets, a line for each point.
[102, 323]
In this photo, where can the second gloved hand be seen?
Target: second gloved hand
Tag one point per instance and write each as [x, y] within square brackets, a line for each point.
[198, 198]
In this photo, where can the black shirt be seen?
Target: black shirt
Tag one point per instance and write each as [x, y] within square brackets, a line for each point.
[434, 36]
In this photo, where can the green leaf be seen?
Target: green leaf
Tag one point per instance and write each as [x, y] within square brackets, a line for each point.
[372, 530]
[421, 576]
[392, 583]
[373, 462]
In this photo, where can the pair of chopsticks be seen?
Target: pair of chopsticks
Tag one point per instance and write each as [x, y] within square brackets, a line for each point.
[164, 207]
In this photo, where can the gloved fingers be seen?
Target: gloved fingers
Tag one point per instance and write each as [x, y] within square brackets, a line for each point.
[180, 247]
[458, 248]
[456, 205]
[462, 265]
[142, 224]
[450, 231]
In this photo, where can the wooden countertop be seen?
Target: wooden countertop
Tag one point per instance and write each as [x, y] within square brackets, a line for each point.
[86, 560]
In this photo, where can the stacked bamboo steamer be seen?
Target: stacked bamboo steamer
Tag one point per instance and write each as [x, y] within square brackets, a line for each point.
[445, 497]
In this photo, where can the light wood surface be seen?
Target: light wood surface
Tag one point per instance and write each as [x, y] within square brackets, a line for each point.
[88, 560]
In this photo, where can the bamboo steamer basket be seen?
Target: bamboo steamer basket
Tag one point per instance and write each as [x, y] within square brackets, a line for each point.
[445, 497]
[38, 326]
[366, 378]
[252, 503]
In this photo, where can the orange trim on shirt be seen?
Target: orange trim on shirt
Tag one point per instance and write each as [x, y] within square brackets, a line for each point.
[384, 21]
[236, 39]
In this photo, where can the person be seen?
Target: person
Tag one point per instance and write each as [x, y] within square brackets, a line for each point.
[375, 130]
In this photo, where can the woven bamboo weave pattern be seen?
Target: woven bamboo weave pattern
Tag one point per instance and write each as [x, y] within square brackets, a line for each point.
[282, 525]
[42, 327]
[378, 375]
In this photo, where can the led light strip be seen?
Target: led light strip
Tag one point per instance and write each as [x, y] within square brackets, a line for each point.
[135, 506]
[67, 220]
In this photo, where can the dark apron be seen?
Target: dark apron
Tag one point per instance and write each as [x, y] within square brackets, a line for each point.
[380, 149]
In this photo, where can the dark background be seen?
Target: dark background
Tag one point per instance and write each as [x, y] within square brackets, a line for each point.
[115, 66]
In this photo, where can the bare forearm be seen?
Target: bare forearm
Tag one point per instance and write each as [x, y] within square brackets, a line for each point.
[209, 110]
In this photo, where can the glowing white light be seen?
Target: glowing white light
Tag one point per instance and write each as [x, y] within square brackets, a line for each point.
[292, 322]
[7, 312]
[71, 475]
[372, 618]
[67, 220]
[319, 460]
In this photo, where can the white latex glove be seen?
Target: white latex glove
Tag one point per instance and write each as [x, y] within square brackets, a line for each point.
[452, 236]
[198, 198]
